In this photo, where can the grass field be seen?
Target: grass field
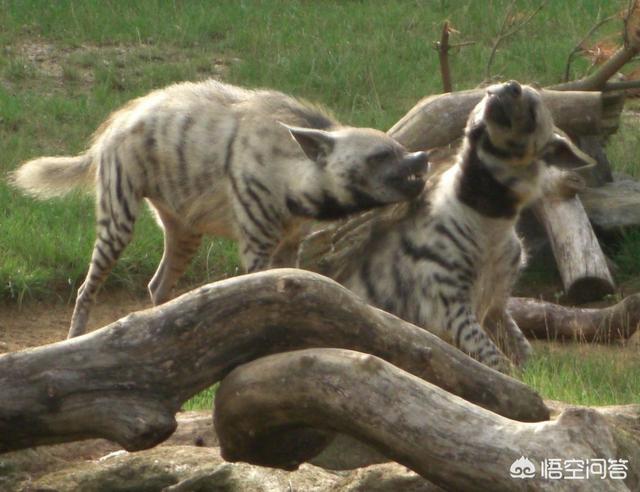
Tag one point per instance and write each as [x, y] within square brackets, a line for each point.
[65, 65]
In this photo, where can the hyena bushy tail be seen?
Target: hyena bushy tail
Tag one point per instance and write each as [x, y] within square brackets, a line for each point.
[47, 177]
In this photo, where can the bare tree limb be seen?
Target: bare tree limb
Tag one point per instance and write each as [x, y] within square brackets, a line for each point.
[264, 410]
[126, 381]
[622, 85]
[544, 320]
[598, 79]
[436, 121]
[580, 46]
[507, 30]
[442, 47]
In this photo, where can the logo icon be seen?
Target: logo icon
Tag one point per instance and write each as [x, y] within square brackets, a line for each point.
[522, 468]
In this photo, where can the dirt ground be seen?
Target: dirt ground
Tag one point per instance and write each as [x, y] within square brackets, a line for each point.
[40, 323]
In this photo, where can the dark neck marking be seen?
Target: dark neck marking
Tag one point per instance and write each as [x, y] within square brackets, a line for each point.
[328, 207]
[480, 190]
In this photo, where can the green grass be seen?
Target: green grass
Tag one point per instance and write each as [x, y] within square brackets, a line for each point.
[585, 374]
[202, 401]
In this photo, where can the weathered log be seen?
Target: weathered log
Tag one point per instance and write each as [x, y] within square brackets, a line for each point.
[436, 121]
[582, 265]
[613, 206]
[601, 172]
[545, 320]
[262, 407]
[126, 381]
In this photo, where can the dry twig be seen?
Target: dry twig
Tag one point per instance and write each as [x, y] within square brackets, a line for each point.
[443, 47]
[578, 48]
[508, 29]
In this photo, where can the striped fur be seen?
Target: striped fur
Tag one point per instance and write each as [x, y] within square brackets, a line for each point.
[211, 158]
[449, 263]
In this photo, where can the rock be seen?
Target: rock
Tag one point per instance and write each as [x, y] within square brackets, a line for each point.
[613, 206]
[194, 428]
[385, 477]
[178, 468]
[191, 468]
[187, 461]
[347, 453]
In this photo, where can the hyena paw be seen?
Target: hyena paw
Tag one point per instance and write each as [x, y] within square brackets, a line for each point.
[522, 353]
[501, 363]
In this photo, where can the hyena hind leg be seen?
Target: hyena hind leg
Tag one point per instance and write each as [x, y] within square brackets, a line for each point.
[180, 246]
[113, 234]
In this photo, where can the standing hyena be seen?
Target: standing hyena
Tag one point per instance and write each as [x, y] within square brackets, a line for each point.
[211, 158]
[450, 261]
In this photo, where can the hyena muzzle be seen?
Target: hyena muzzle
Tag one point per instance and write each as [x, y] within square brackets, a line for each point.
[450, 262]
[211, 158]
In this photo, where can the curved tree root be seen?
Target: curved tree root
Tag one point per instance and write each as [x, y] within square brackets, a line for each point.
[126, 381]
[263, 407]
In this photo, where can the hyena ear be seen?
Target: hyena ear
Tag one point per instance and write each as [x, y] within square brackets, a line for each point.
[316, 144]
[561, 151]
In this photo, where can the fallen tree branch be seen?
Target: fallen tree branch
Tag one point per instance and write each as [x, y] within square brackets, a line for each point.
[580, 46]
[436, 121]
[126, 381]
[583, 268]
[263, 408]
[598, 79]
[622, 85]
[442, 47]
[539, 319]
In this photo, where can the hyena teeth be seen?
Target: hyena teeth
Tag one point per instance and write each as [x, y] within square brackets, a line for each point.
[449, 263]
[211, 158]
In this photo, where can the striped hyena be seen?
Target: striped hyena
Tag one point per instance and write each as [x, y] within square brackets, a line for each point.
[449, 261]
[211, 158]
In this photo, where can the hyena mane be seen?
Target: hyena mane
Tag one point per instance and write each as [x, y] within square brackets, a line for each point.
[448, 259]
[212, 158]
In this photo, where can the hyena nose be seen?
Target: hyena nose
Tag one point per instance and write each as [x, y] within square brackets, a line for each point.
[513, 88]
[420, 156]
[419, 159]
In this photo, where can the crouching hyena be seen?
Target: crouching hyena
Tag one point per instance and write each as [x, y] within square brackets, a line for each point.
[211, 158]
[448, 264]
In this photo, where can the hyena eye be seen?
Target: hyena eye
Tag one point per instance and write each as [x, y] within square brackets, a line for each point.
[382, 156]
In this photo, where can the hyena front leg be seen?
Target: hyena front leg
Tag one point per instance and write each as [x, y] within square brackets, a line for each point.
[258, 225]
[507, 334]
[180, 246]
[255, 252]
[116, 214]
[469, 337]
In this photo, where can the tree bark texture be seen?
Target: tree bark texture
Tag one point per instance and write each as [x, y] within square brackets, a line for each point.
[539, 319]
[126, 381]
[265, 408]
[582, 265]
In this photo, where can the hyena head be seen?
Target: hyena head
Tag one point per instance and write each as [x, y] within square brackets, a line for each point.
[362, 167]
[513, 135]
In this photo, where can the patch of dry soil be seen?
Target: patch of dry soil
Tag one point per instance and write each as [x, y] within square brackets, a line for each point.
[40, 323]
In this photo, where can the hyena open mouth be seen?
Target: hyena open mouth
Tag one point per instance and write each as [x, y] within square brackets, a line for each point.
[410, 176]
